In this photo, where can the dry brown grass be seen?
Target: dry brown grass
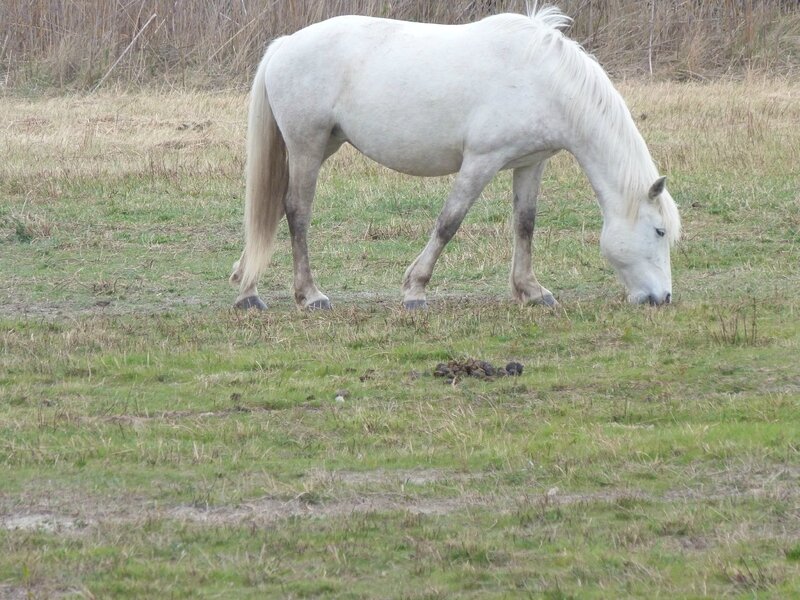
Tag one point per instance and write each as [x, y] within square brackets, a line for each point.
[748, 126]
[109, 135]
[77, 43]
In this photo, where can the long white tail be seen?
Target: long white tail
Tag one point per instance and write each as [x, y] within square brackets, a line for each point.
[267, 175]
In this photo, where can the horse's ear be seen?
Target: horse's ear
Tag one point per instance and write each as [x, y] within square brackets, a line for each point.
[657, 188]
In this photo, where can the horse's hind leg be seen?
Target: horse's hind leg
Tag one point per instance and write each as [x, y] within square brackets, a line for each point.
[475, 173]
[303, 171]
[524, 286]
[247, 298]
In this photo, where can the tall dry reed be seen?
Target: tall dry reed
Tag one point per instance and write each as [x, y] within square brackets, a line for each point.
[77, 43]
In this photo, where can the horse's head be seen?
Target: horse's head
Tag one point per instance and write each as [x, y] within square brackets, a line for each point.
[638, 248]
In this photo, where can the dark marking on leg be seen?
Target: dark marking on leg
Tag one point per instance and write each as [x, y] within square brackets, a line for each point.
[525, 219]
[446, 230]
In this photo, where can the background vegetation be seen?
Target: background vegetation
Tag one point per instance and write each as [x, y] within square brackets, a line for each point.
[74, 44]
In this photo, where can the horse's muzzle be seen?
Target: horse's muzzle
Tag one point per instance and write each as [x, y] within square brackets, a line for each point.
[653, 300]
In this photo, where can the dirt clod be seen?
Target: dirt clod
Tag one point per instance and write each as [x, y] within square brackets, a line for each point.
[514, 368]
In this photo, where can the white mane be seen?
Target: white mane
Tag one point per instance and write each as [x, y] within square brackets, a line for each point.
[583, 80]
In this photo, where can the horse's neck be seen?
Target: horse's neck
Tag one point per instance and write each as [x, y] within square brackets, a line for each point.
[616, 162]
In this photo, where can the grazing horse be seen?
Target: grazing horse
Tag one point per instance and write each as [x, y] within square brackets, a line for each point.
[506, 92]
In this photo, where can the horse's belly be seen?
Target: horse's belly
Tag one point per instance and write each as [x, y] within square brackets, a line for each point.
[400, 151]
[421, 164]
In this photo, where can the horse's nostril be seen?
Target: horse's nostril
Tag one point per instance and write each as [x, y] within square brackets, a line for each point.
[668, 298]
[651, 300]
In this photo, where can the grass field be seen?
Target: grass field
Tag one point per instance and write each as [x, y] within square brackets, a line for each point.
[156, 443]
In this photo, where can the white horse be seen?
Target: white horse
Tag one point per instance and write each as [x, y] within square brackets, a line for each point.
[507, 92]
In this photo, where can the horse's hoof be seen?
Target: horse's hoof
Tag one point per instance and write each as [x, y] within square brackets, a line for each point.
[251, 302]
[415, 304]
[548, 300]
[321, 304]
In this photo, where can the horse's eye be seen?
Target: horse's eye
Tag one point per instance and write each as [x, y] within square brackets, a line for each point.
[660, 232]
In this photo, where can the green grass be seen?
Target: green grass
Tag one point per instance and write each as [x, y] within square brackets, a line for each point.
[156, 443]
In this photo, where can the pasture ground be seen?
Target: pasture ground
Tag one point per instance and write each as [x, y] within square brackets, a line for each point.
[156, 443]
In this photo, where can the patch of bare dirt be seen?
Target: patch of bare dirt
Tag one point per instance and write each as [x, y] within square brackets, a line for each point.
[176, 415]
[268, 510]
[361, 492]
[47, 522]
[397, 477]
[54, 311]
[12, 592]
[279, 302]
[39, 592]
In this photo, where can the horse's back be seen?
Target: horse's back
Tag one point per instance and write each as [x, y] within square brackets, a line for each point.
[367, 51]
[409, 95]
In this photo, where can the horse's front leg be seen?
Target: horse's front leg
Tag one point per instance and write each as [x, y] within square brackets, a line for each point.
[524, 286]
[475, 173]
